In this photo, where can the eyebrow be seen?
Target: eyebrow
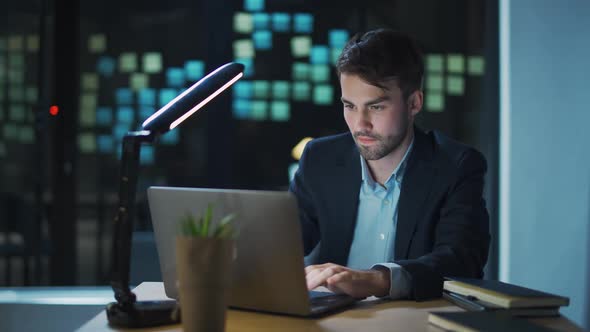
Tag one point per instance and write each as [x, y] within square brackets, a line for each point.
[370, 102]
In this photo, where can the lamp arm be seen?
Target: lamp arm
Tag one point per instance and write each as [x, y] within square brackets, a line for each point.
[123, 222]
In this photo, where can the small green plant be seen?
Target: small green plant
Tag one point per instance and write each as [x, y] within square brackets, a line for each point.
[189, 226]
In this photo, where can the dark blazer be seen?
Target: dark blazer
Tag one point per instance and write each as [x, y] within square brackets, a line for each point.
[442, 226]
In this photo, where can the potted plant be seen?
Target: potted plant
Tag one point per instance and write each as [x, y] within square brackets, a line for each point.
[204, 253]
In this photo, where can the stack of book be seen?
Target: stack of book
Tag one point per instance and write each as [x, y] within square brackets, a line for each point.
[494, 305]
[491, 295]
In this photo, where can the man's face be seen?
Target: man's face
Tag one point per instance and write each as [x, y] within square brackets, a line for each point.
[378, 119]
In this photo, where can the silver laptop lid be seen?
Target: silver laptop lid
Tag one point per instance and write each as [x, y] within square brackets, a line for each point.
[268, 272]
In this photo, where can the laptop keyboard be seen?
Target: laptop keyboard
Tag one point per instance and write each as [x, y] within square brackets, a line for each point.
[327, 299]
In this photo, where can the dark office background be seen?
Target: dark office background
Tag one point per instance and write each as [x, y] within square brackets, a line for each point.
[108, 65]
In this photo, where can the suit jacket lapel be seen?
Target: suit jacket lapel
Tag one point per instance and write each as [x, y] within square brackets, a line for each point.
[416, 187]
[345, 212]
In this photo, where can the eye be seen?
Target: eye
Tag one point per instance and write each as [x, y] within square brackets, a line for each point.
[348, 106]
[377, 107]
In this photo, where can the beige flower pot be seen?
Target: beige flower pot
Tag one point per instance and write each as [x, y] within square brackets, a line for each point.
[203, 267]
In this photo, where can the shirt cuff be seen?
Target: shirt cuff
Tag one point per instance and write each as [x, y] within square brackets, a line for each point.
[400, 279]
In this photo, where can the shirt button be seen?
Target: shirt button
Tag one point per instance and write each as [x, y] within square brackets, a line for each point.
[382, 236]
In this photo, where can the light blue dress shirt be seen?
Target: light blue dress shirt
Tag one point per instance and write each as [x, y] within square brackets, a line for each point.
[373, 243]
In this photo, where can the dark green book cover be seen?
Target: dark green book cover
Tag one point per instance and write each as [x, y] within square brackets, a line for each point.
[483, 321]
[504, 288]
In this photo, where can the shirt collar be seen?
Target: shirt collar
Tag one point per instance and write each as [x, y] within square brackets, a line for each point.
[397, 173]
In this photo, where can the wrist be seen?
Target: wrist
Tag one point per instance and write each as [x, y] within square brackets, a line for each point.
[381, 281]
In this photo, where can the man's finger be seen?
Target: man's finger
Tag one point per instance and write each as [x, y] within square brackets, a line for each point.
[321, 277]
[341, 277]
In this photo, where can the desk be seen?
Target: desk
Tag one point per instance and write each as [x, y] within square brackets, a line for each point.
[369, 315]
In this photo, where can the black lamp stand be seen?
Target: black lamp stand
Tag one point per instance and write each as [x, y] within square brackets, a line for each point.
[127, 311]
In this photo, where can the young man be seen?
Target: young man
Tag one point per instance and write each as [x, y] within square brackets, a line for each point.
[386, 209]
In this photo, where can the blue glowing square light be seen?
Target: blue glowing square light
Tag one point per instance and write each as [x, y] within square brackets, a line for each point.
[175, 77]
[241, 108]
[254, 5]
[262, 40]
[146, 156]
[281, 22]
[303, 23]
[320, 55]
[124, 96]
[166, 95]
[195, 70]
[105, 143]
[171, 138]
[106, 66]
[248, 64]
[145, 112]
[261, 21]
[104, 116]
[337, 38]
[243, 90]
[147, 97]
[125, 114]
[119, 130]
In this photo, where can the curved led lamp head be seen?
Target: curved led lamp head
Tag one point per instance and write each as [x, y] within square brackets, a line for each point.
[195, 97]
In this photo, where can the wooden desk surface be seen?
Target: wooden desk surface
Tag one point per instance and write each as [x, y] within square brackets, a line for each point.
[369, 315]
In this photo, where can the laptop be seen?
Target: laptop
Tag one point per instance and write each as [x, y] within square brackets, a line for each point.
[268, 270]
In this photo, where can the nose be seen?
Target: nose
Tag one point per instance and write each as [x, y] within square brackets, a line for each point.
[363, 122]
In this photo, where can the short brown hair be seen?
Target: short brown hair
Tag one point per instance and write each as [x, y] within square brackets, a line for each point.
[383, 55]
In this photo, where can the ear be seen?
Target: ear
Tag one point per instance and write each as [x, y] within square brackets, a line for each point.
[415, 102]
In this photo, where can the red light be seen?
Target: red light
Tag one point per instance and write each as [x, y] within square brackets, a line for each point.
[53, 110]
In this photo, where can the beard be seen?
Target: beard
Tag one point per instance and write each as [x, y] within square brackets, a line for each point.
[384, 144]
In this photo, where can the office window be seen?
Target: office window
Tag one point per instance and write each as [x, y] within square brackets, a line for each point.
[175, 77]
[195, 70]
[300, 46]
[146, 97]
[434, 63]
[104, 116]
[301, 91]
[243, 48]
[300, 71]
[280, 90]
[128, 62]
[259, 110]
[243, 89]
[280, 111]
[243, 23]
[124, 96]
[303, 23]
[254, 5]
[97, 43]
[241, 109]
[152, 63]
[281, 22]
[32, 43]
[166, 95]
[126, 115]
[320, 55]
[139, 81]
[435, 101]
[322, 94]
[455, 85]
[261, 21]
[262, 40]
[105, 66]
[455, 63]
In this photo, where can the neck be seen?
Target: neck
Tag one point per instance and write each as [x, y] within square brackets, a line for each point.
[381, 169]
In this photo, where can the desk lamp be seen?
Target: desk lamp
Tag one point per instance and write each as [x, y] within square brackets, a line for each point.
[127, 311]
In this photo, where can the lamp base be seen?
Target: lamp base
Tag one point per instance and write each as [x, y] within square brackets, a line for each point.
[142, 314]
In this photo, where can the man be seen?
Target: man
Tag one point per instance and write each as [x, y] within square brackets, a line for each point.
[389, 210]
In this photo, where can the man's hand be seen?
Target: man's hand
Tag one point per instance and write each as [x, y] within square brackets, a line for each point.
[340, 279]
